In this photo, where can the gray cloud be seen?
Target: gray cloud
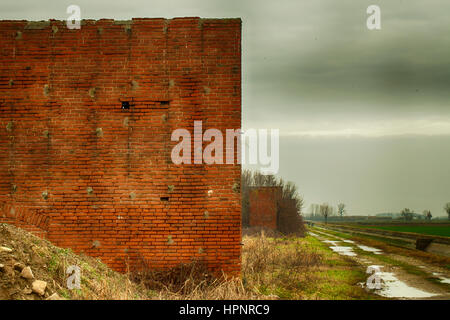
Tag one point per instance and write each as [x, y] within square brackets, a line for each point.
[338, 66]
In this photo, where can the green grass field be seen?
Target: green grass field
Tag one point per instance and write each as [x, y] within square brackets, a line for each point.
[443, 231]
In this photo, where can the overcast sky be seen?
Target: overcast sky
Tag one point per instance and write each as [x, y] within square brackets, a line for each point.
[364, 116]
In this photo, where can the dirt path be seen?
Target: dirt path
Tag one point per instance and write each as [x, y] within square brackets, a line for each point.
[392, 275]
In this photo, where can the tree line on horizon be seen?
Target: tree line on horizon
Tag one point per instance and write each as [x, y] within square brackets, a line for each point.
[325, 210]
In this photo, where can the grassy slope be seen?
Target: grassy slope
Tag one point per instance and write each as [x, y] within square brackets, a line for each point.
[49, 263]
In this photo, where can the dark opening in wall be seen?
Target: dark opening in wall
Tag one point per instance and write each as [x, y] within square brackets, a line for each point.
[125, 105]
[164, 198]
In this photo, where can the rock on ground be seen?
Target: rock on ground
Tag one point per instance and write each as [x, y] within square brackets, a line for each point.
[27, 273]
[39, 287]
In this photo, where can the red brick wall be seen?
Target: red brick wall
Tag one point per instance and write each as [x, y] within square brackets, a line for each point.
[263, 208]
[79, 170]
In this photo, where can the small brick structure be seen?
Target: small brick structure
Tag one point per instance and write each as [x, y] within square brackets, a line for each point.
[86, 118]
[268, 209]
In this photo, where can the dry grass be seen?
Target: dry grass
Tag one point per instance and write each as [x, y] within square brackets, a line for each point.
[191, 281]
[270, 233]
[276, 266]
[262, 254]
[268, 265]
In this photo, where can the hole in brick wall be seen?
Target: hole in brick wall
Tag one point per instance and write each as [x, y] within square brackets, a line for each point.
[125, 105]
[99, 132]
[96, 244]
[164, 198]
[164, 103]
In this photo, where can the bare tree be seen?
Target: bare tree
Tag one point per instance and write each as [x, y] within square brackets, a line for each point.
[325, 211]
[427, 214]
[407, 214]
[447, 209]
[290, 191]
[341, 209]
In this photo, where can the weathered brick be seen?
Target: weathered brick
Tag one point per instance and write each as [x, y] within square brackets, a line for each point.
[70, 156]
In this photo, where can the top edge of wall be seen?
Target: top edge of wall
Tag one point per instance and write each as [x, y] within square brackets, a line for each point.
[45, 23]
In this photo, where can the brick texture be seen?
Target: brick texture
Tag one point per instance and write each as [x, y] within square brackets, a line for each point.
[84, 173]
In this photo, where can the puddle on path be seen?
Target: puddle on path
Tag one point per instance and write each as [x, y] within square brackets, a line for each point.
[345, 251]
[392, 287]
[442, 278]
[369, 249]
[348, 251]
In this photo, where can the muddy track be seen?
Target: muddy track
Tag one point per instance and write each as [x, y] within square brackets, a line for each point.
[398, 276]
[438, 245]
